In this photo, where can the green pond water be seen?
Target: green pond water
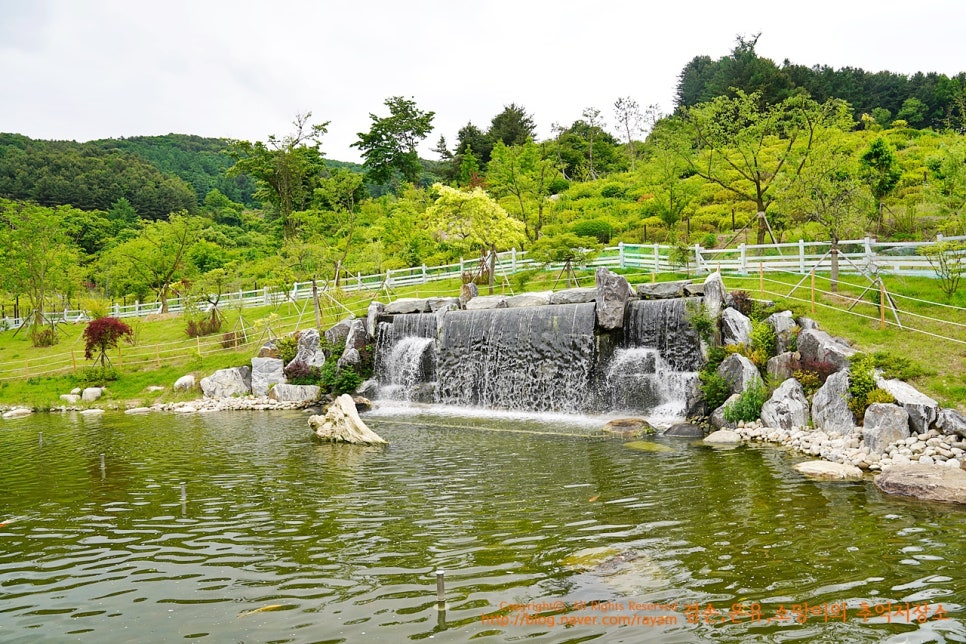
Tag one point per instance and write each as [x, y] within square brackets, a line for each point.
[545, 533]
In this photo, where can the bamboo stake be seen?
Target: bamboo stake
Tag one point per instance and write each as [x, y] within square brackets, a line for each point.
[882, 324]
[761, 279]
[813, 292]
[157, 355]
[73, 360]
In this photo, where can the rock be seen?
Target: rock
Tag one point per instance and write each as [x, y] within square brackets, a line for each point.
[486, 302]
[541, 298]
[613, 291]
[368, 388]
[70, 399]
[92, 412]
[787, 408]
[355, 344]
[266, 372]
[782, 366]
[467, 293]
[883, 425]
[819, 346]
[717, 416]
[439, 303]
[225, 383]
[694, 290]
[827, 470]
[805, 323]
[684, 430]
[341, 424]
[926, 482]
[723, 436]
[714, 294]
[184, 383]
[362, 404]
[694, 404]
[662, 290]
[628, 427]
[783, 323]
[350, 358]
[951, 422]
[309, 352]
[76, 391]
[923, 410]
[336, 334]
[735, 327]
[295, 393]
[740, 372]
[267, 350]
[17, 412]
[407, 305]
[424, 392]
[372, 317]
[138, 410]
[154, 389]
[830, 405]
[91, 394]
[574, 296]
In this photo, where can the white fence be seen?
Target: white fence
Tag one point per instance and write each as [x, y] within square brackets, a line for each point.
[796, 257]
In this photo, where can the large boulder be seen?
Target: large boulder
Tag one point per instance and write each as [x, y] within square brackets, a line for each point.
[628, 427]
[735, 327]
[541, 298]
[17, 412]
[787, 408]
[91, 394]
[818, 346]
[581, 295]
[407, 305]
[613, 291]
[782, 323]
[662, 290]
[723, 437]
[309, 352]
[782, 366]
[443, 303]
[184, 383]
[336, 334]
[717, 418]
[714, 294]
[295, 393]
[830, 405]
[341, 424]
[355, 345]
[268, 350]
[804, 323]
[740, 372]
[486, 302]
[883, 425]
[828, 470]
[226, 383]
[926, 482]
[266, 372]
[684, 430]
[923, 410]
[70, 399]
[372, 317]
[951, 422]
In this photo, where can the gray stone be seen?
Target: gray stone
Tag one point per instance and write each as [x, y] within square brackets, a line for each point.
[787, 408]
[357, 336]
[90, 394]
[628, 427]
[362, 404]
[184, 383]
[740, 372]
[134, 411]
[723, 437]
[717, 417]
[828, 470]
[830, 405]
[783, 323]
[443, 303]
[309, 351]
[407, 305]
[694, 290]
[349, 358]
[926, 482]
[372, 317]
[268, 350]
[782, 366]
[684, 430]
[574, 296]
[266, 372]
[714, 294]
[295, 393]
[805, 323]
[336, 334]
[883, 425]
[951, 422]
[341, 424]
[92, 412]
[76, 391]
[368, 388]
[486, 302]
[17, 412]
[467, 293]
[541, 298]
[613, 291]
[735, 327]
[225, 383]
[662, 290]
[923, 410]
[70, 399]
[819, 346]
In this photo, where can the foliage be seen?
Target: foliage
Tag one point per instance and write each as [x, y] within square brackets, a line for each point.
[742, 302]
[564, 247]
[948, 260]
[45, 337]
[202, 327]
[809, 380]
[748, 405]
[702, 322]
[524, 174]
[878, 395]
[597, 228]
[763, 338]
[473, 219]
[861, 383]
[389, 147]
[287, 346]
[714, 388]
[103, 334]
[897, 366]
[97, 375]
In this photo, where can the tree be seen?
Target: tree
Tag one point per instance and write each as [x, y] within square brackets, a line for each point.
[286, 170]
[948, 260]
[947, 190]
[37, 258]
[103, 334]
[512, 126]
[475, 220]
[629, 118]
[566, 248]
[524, 172]
[389, 147]
[340, 194]
[667, 171]
[595, 122]
[880, 172]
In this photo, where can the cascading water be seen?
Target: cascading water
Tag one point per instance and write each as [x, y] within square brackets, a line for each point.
[406, 357]
[663, 325]
[538, 358]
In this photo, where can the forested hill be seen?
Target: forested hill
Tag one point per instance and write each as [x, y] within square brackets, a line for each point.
[921, 100]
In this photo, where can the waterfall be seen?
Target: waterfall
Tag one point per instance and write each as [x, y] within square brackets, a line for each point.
[663, 325]
[538, 358]
[638, 378]
[406, 357]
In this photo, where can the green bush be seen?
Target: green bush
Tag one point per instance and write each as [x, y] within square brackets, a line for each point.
[597, 228]
[748, 405]
[763, 338]
[613, 191]
[894, 366]
[286, 346]
[702, 322]
[97, 376]
[861, 383]
[879, 396]
[715, 389]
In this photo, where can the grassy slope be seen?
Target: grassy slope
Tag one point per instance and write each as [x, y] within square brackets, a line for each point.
[165, 340]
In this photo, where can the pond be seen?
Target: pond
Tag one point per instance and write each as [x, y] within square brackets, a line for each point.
[545, 531]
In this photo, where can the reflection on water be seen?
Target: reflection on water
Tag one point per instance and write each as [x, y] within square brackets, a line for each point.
[546, 532]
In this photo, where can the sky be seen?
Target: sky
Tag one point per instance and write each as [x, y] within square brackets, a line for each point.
[90, 69]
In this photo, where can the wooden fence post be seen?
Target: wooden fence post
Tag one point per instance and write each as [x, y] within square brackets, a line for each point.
[157, 355]
[73, 360]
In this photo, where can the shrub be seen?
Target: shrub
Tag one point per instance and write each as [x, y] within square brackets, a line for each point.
[203, 327]
[809, 380]
[103, 334]
[613, 191]
[287, 346]
[702, 322]
[345, 382]
[878, 395]
[748, 405]
[558, 185]
[299, 373]
[763, 339]
[742, 302]
[232, 339]
[45, 338]
[97, 375]
[894, 366]
[861, 383]
[715, 388]
[709, 241]
[597, 228]
[521, 279]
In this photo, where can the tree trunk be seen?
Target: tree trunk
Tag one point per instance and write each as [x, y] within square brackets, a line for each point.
[835, 265]
[492, 268]
[762, 226]
[164, 299]
[315, 304]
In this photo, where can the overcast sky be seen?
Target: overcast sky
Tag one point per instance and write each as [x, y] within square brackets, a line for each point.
[88, 69]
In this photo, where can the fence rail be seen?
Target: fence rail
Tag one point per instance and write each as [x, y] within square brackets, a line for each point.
[854, 255]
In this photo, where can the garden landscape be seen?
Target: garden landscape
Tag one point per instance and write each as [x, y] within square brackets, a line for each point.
[685, 376]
